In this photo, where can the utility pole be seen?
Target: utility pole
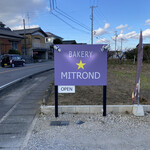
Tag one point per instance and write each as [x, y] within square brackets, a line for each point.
[0, 49]
[116, 35]
[121, 43]
[28, 20]
[24, 37]
[92, 23]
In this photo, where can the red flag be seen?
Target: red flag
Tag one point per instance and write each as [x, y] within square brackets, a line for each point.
[139, 66]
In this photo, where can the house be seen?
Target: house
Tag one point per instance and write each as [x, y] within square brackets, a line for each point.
[116, 54]
[50, 40]
[34, 43]
[69, 42]
[51, 37]
[9, 40]
[146, 44]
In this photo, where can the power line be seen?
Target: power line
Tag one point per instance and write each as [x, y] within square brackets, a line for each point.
[55, 6]
[71, 19]
[58, 10]
[68, 23]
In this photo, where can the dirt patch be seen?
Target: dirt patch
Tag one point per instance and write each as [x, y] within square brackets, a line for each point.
[120, 84]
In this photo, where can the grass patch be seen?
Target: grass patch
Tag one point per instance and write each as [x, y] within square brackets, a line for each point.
[120, 84]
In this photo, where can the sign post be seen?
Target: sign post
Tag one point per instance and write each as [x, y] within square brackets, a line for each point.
[104, 100]
[82, 65]
[56, 101]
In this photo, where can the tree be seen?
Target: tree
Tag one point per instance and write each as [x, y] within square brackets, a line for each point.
[110, 54]
[120, 55]
[57, 41]
[146, 53]
[11, 51]
[131, 53]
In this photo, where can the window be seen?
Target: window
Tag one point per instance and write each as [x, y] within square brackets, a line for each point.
[49, 40]
[14, 46]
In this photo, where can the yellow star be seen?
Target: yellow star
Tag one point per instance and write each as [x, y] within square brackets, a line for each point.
[80, 65]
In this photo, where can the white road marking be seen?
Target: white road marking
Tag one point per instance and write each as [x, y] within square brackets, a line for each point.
[5, 85]
[9, 112]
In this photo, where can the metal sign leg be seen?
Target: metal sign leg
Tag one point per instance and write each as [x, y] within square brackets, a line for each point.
[56, 101]
[104, 100]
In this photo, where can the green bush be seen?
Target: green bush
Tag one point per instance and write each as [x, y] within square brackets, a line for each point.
[35, 57]
[130, 54]
[57, 41]
[12, 51]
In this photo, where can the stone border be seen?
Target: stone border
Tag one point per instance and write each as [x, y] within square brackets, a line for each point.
[91, 109]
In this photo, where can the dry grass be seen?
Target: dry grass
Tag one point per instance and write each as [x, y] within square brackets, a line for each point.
[120, 84]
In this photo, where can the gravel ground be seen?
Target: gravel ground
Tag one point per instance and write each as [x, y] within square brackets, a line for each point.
[114, 132]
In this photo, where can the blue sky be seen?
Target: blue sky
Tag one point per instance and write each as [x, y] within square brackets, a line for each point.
[125, 17]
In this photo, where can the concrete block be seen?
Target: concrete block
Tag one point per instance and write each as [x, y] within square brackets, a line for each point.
[146, 108]
[112, 108]
[47, 109]
[95, 109]
[68, 109]
[91, 109]
[50, 109]
[82, 109]
[125, 108]
[138, 110]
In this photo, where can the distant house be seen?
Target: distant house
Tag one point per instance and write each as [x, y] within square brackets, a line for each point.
[146, 44]
[115, 54]
[50, 40]
[51, 37]
[9, 40]
[35, 43]
[69, 42]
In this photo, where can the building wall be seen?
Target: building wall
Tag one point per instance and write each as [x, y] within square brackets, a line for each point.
[42, 39]
[6, 45]
[28, 42]
[31, 41]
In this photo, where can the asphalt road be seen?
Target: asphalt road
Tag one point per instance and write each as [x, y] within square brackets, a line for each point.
[19, 106]
[9, 75]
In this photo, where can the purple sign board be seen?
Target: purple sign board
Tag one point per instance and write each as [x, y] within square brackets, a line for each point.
[80, 65]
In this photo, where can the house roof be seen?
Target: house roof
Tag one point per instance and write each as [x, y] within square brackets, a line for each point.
[49, 34]
[6, 32]
[69, 42]
[146, 44]
[30, 31]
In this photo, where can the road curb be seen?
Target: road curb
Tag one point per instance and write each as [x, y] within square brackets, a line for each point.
[15, 82]
[47, 94]
[91, 109]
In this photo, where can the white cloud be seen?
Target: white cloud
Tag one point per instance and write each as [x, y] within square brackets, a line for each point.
[147, 22]
[103, 40]
[146, 33]
[48, 8]
[38, 1]
[13, 11]
[130, 35]
[121, 31]
[101, 31]
[106, 26]
[27, 27]
[121, 27]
